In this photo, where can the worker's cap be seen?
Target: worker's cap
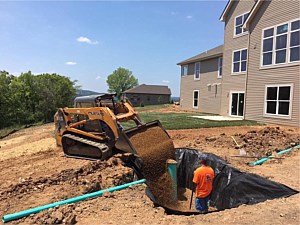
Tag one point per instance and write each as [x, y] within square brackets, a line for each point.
[203, 157]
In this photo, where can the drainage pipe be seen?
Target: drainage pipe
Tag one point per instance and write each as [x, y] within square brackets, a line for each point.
[172, 169]
[18, 215]
[261, 161]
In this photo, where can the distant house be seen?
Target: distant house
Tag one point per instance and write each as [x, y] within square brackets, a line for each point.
[148, 95]
[258, 67]
[200, 86]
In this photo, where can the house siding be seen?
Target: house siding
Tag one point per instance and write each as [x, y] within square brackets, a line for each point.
[147, 99]
[209, 99]
[230, 82]
[270, 14]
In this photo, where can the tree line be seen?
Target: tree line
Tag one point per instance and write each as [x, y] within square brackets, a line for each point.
[28, 98]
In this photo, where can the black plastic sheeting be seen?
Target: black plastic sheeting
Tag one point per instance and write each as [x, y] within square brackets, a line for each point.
[231, 187]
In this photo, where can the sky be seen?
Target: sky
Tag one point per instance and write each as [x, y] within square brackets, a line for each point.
[87, 40]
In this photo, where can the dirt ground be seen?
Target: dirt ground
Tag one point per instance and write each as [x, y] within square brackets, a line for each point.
[35, 172]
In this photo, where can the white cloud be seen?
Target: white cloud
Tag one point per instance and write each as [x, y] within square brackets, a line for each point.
[87, 40]
[70, 63]
[166, 81]
[100, 78]
[189, 17]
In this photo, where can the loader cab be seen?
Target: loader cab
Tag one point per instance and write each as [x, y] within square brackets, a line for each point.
[91, 101]
[100, 100]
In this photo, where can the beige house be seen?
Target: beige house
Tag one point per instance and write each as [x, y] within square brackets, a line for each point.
[200, 86]
[144, 94]
[260, 66]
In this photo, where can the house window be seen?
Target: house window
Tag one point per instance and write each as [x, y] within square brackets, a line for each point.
[278, 100]
[294, 41]
[281, 43]
[220, 67]
[195, 99]
[238, 24]
[197, 71]
[239, 62]
[184, 70]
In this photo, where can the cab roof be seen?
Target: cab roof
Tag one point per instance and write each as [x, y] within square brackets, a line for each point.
[94, 98]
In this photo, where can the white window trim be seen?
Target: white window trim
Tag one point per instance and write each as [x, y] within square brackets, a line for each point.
[220, 76]
[195, 78]
[196, 107]
[182, 69]
[289, 40]
[273, 65]
[270, 115]
[230, 102]
[240, 72]
[243, 32]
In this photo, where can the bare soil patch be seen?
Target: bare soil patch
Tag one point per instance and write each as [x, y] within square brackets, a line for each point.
[35, 172]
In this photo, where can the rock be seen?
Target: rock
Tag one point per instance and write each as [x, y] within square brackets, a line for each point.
[106, 195]
[70, 219]
[57, 217]
[210, 138]
[91, 187]
[106, 208]
[78, 209]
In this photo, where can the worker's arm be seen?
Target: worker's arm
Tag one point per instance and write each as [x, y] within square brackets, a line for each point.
[196, 177]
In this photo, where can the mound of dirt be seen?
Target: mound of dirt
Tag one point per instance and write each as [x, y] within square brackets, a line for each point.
[267, 141]
[69, 183]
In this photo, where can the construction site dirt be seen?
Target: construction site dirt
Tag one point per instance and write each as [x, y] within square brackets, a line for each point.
[35, 172]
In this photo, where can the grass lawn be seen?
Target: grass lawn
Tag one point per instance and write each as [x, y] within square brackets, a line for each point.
[5, 131]
[151, 107]
[175, 121]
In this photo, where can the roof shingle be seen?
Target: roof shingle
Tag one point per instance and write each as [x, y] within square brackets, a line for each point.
[149, 89]
[212, 53]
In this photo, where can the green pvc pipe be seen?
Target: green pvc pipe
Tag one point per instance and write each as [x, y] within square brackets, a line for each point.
[18, 215]
[261, 161]
[172, 169]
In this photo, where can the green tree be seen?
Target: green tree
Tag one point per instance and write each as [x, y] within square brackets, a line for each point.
[5, 98]
[29, 98]
[55, 91]
[120, 80]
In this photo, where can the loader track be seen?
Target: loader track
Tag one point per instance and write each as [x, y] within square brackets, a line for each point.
[84, 148]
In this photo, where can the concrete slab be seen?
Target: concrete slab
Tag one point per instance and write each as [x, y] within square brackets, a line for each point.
[218, 118]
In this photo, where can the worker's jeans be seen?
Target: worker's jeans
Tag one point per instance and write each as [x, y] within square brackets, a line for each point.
[201, 204]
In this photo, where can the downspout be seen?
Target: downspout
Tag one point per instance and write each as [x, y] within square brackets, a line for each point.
[246, 80]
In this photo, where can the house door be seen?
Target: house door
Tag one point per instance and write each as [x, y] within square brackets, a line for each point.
[237, 104]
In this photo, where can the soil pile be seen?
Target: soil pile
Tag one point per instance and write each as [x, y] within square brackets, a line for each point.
[155, 147]
[267, 141]
[69, 183]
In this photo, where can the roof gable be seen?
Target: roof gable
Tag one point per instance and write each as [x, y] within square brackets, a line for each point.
[226, 10]
[252, 14]
[149, 89]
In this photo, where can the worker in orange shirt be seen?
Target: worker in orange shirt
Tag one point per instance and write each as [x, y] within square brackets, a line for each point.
[203, 178]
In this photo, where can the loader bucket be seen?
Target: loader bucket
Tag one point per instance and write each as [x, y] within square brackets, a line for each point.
[124, 142]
